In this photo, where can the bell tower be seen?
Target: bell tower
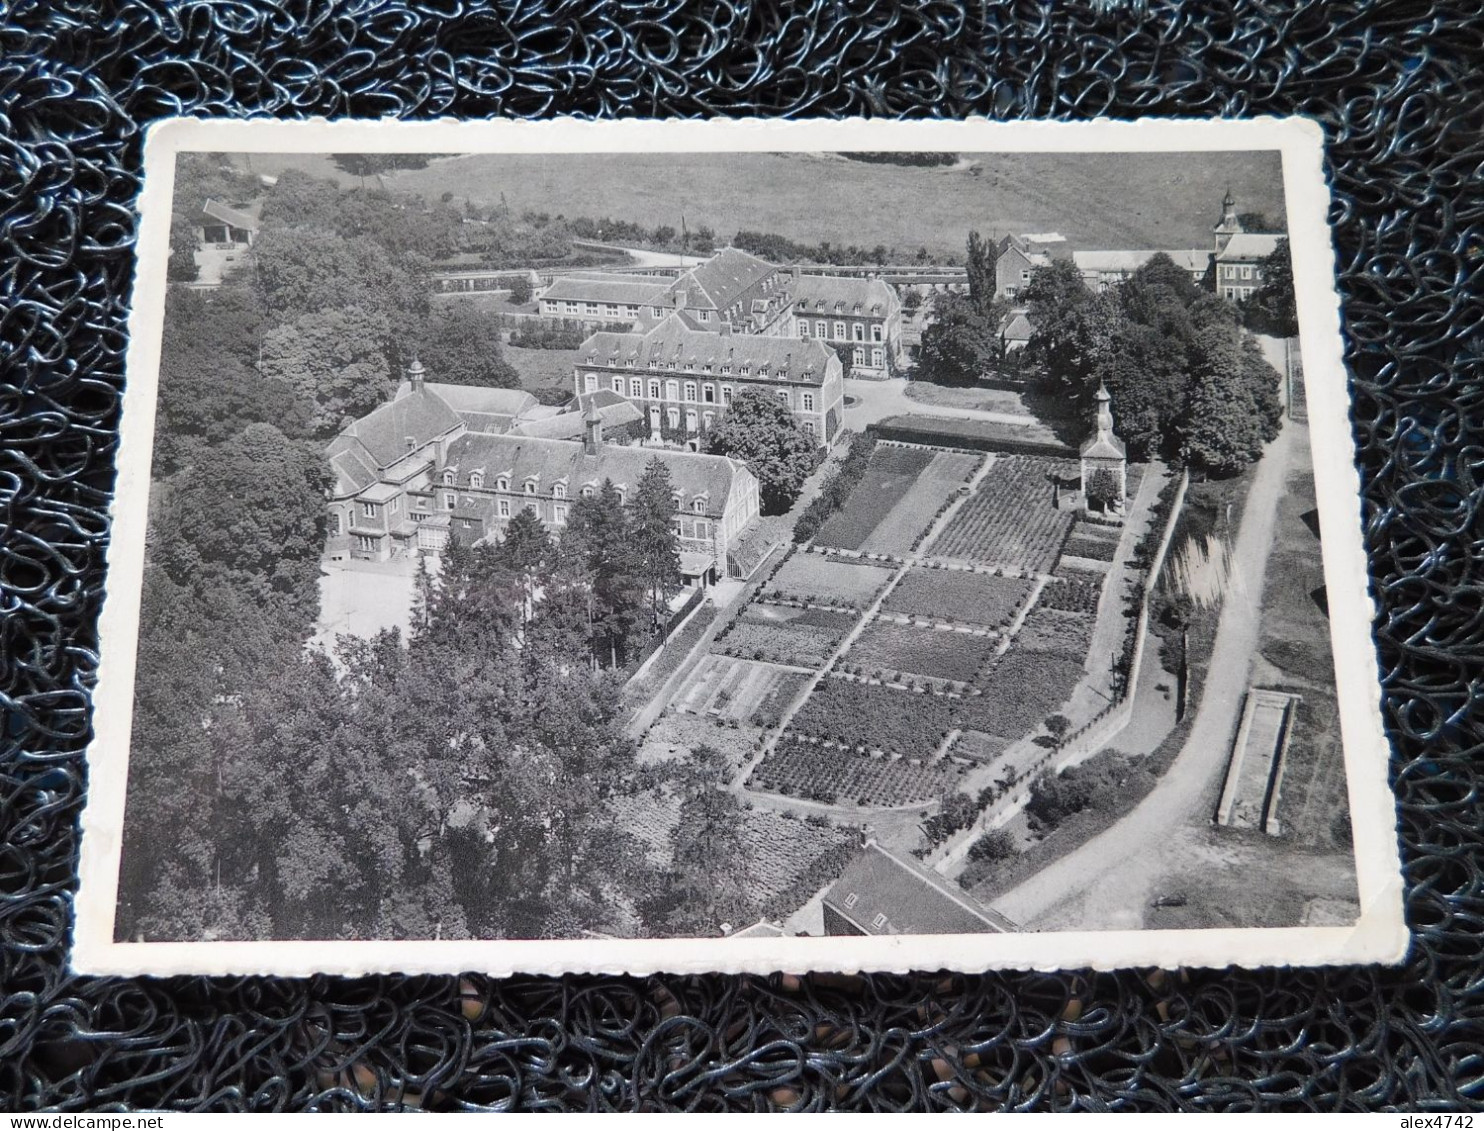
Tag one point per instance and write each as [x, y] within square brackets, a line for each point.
[1228, 226]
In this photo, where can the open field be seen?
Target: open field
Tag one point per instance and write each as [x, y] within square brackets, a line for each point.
[1010, 519]
[958, 595]
[935, 652]
[829, 774]
[542, 368]
[1139, 200]
[914, 512]
[890, 474]
[819, 580]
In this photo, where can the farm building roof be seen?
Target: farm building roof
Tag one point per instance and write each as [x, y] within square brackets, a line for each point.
[1249, 247]
[638, 290]
[672, 340]
[478, 398]
[1017, 327]
[1126, 262]
[819, 294]
[570, 425]
[883, 894]
[233, 217]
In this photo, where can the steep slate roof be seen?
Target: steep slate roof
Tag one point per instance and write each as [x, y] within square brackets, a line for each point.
[1248, 247]
[571, 425]
[1017, 327]
[230, 216]
[373, 443]
[609, 288]
[873, 296]
[521, 457]
[915, 900]
[478, 398]
[718, 282]
[803, 360]
[1100, 446]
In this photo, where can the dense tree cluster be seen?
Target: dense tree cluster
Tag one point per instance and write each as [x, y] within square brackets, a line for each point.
[450, 784]
[1187, 382]
[1272, 309]
[781, 249]
[963, 343]
[763, 434]
[700, 240]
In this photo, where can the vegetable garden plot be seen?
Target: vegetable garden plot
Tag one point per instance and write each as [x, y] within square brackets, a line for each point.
[958, 595]
[878, 718]
[889, 476]
[1097, 543]
[1019, 692]
[821, 580]
[934, 652]
[781, 850]
[651, 816]
[673, 738]
[731, 689]
[835, 776]
[1049, 630]
[769, 710]
[785, 635]
[898, 532]
[1072, 594]
[1010, 519]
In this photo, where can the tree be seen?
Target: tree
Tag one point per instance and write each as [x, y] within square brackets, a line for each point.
[1272, 309]
[911, 300]
[307, 270]
[1073, 335]
[526, 550]
[335, 360]
[1233, 409]
[461, 345]
[656, 548]
[1058, 726]
[961, 345]
[520, 290]
[994, 845]
[1256, 222]
[1102, 490]
[249, 514]
[980, 259]
[763, 434]
[182, 266]
[596, 556]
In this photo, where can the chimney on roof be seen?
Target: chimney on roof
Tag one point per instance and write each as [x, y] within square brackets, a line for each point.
[679, 298]
[592, 437]
[415, 374]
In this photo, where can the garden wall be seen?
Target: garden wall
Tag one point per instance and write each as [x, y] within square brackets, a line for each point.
[970, 435]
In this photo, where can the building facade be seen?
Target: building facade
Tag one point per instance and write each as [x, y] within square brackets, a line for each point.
[1102, 270]
[1015, 259]
[1239, 254]
[864, 316]
[604, 299]
[417, 471]
[682, 379]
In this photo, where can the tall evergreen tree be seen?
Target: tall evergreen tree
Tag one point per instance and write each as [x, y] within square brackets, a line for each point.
[656, 547]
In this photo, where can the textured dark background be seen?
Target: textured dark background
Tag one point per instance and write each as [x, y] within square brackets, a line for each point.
[1399, 87]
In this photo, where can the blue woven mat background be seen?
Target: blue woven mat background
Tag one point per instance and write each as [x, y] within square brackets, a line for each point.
[1399, 86]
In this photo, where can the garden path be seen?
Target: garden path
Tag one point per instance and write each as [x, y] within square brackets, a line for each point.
[1110, 876]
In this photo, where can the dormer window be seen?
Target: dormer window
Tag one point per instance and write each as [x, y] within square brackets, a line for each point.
[698, 505]
[448, 478]
[530, 486]
[587, 492]
[558, 490]
[743, 370]
[502, 484]
[412, 443]
[476, 480]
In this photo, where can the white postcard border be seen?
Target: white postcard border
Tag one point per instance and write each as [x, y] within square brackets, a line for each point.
[1380, 935]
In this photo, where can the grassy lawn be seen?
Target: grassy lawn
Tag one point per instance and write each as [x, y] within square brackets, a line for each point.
[493, 302]
[542, 368]
[954, 396]
[1095, 200]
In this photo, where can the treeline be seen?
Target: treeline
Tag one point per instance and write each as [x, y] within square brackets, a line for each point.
[663, 237]
[781, 249]
[452, 784]
[1188, 383]
[909, 159]
[837, 488]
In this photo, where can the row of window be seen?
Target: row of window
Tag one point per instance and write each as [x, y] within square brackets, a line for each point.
[856, 330]
[634, 388]
[1233, 271]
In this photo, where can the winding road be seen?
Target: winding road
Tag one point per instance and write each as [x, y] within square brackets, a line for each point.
[1112, 874]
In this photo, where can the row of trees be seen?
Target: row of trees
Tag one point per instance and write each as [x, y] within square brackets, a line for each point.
[963, 342]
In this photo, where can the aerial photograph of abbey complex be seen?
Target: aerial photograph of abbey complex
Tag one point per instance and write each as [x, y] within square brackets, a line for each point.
[636, 546]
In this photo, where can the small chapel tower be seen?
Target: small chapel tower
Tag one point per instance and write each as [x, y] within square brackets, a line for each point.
[1103, 452]
[1228, 226]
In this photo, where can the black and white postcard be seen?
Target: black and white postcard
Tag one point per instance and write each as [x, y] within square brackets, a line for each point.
[736, 546]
